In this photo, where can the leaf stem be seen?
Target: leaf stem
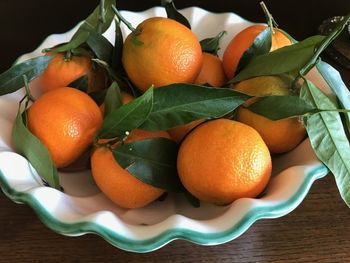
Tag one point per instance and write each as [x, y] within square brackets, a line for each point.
[68, 56]
[335, 110]
[121, 18]
[324, 44]
[107, 144]
[270, 20]
[26, 86]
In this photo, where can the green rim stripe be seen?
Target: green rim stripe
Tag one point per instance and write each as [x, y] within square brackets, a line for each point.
[141, 246]
[165, 237]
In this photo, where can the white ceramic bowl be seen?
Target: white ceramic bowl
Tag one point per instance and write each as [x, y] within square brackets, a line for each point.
[84, 209]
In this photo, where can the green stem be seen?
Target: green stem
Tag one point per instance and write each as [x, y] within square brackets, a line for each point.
[121, 18]
[125, 138]
[107, 144]
[68, 56]
[270, 21]
[218, 38]
[335, 110]
[26, 86]
[323, 45]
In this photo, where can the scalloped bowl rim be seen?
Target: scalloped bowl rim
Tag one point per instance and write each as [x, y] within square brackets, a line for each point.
[312, 172]
[141, 246]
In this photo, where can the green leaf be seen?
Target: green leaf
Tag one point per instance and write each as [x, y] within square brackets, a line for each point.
[100, 45]
[29, 146]
[179, 104]
[98, 96]
[153, 161]
[261, 45]
[79, 38]
[103, 64]
[95, 20]
[324, 44]
[335, 82]
[82, 51]
[173, 13]
[113, 99]
[212, 45]
[280, 107]
[328, 138]
[127, 117]
[99, 21]
[80, 83]
[12, 79]
[130, 87]
[118, 49]
[283, 60]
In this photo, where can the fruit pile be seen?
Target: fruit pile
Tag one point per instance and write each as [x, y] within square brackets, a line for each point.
[159, 111]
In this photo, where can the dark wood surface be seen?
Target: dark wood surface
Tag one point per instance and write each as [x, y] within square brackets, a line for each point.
[317, 231]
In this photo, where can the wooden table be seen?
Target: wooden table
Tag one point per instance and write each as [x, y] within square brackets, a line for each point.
[317, 231]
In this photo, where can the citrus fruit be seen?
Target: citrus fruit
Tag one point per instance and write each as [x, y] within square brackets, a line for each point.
[223, 160]
[281, 135]
[117, 183]
[179, 132]
[212, 71]
[65, 120]
[243, 40]
[160, 52]
[126, 97]
[62, 71]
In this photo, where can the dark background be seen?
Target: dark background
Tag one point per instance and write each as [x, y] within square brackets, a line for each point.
[317, 231]
[24, 24]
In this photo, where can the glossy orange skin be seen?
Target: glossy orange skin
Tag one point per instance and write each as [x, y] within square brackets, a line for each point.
[223, 160]
[65, 120]
[169, 53]
[212, 71]
[281, 135]
[243, 40]
[118, 184]
[178, 133]
[61, 72]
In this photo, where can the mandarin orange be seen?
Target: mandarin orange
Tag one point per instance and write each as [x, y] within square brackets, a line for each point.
[62, 71]
[117, 183]
[212, 71]
[282, 135]
[166, 52]
[65, 120]
[243, 40]
[223, 160]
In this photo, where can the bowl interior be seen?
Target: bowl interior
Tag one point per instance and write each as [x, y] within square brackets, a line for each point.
[82, 201]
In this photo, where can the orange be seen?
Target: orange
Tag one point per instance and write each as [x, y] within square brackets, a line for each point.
[179, 132]
[126, 97]
[223, 160]
[212, 71]
[65, 120]
[117, 183]
[243, 40]
[281, 135]
[167, 52]
[61, 72]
